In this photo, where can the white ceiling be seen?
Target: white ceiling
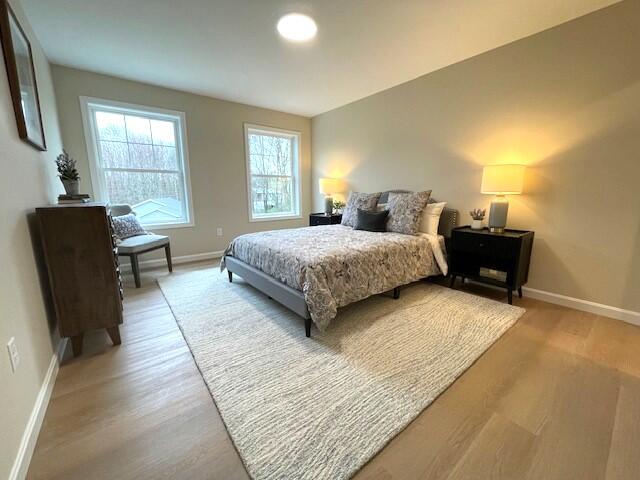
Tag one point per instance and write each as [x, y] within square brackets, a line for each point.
[230, 49]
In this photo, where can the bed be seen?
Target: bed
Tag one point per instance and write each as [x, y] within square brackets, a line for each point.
[316, 270]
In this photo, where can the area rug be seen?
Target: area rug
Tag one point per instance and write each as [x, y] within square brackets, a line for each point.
[321, 407]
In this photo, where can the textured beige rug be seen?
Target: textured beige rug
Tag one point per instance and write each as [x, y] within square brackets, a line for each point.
[320, 408]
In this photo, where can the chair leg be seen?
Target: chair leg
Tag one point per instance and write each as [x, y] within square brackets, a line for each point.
[453, 281]
[396, 293]
[167, 252]
[230, 273]
[136, 269]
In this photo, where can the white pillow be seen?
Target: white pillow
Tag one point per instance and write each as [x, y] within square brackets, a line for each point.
[431, 217]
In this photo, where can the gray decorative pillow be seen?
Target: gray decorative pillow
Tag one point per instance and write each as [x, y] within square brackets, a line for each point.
[405, 211]
[365, 201]
[126, 226]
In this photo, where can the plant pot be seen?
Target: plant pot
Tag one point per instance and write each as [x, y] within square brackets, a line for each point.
[476, 224]
[70, 186]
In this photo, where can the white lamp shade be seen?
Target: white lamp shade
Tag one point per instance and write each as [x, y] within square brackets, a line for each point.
[502, 179]
[329, 186]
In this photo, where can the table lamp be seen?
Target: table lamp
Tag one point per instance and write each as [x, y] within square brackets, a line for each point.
[329, 186]
[501, 180]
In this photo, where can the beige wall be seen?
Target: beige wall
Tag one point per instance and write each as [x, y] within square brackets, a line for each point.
[565, 102]
[27, 181]
[215, 139]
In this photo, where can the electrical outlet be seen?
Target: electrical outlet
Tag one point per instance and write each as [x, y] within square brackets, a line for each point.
[14, 355]
[219, 231]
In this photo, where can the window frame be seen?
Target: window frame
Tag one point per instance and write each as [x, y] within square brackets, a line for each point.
[89, 104]
[296, 168]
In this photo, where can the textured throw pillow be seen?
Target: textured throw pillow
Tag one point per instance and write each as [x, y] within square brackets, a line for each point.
[405, 210]
[126, 226]
[365, 201]
[371, 221]
[430, 218]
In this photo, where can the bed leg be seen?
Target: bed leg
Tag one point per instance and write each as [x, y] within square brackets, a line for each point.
[307, 327]
[230, 273]
[396, 293]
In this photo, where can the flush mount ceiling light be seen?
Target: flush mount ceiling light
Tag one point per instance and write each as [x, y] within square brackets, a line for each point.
[297, 27]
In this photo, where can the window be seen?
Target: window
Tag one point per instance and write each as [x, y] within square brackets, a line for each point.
[273, 173]
[137, 155]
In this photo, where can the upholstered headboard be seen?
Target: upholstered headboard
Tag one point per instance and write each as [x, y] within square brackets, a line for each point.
[448, 218]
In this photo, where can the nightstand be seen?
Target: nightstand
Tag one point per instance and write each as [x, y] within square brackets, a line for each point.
[324, 219]
[499, 259]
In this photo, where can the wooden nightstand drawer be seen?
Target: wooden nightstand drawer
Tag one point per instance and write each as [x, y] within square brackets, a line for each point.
[316, 219]
[485, 245]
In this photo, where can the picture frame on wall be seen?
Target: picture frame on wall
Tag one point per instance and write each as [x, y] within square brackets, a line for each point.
[21, 74]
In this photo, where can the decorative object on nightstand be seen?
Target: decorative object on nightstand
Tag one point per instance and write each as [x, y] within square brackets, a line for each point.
[329, 187]
[477, 215]
[501, 180]
[338, 206]
[499, 259]
[316, 219]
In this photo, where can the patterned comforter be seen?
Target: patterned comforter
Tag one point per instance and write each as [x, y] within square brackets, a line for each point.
[334, 265]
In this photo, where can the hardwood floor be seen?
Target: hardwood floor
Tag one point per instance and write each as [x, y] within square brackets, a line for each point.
[557, 397]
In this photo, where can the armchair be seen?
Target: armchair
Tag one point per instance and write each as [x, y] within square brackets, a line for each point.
[133, 246]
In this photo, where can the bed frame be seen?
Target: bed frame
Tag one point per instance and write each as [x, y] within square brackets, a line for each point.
[294, 299]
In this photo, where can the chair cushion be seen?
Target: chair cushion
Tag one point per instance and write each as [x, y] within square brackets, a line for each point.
[140, 243]
[126, 226]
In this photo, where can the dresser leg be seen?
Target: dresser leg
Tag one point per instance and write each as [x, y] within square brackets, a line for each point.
[114, 334]
[510, 296]
[520, 292]
[76, 344]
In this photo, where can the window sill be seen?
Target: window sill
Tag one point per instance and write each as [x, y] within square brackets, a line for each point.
[167, 226]
[275, 219]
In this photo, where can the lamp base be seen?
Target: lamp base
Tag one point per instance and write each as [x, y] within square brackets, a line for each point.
[498, 214]
[328, 205]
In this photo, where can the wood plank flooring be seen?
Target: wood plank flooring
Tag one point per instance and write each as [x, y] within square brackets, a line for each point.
[557, 397]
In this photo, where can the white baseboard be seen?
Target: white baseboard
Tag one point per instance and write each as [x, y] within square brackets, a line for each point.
[160, 262]
[628, 316]
[616, 313]
[32, 430]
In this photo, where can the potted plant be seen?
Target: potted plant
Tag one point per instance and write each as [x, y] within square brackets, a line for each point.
[68, 173]
[477, 215]
[338, 206]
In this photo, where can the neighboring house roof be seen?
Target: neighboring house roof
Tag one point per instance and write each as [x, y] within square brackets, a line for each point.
[158, 210]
